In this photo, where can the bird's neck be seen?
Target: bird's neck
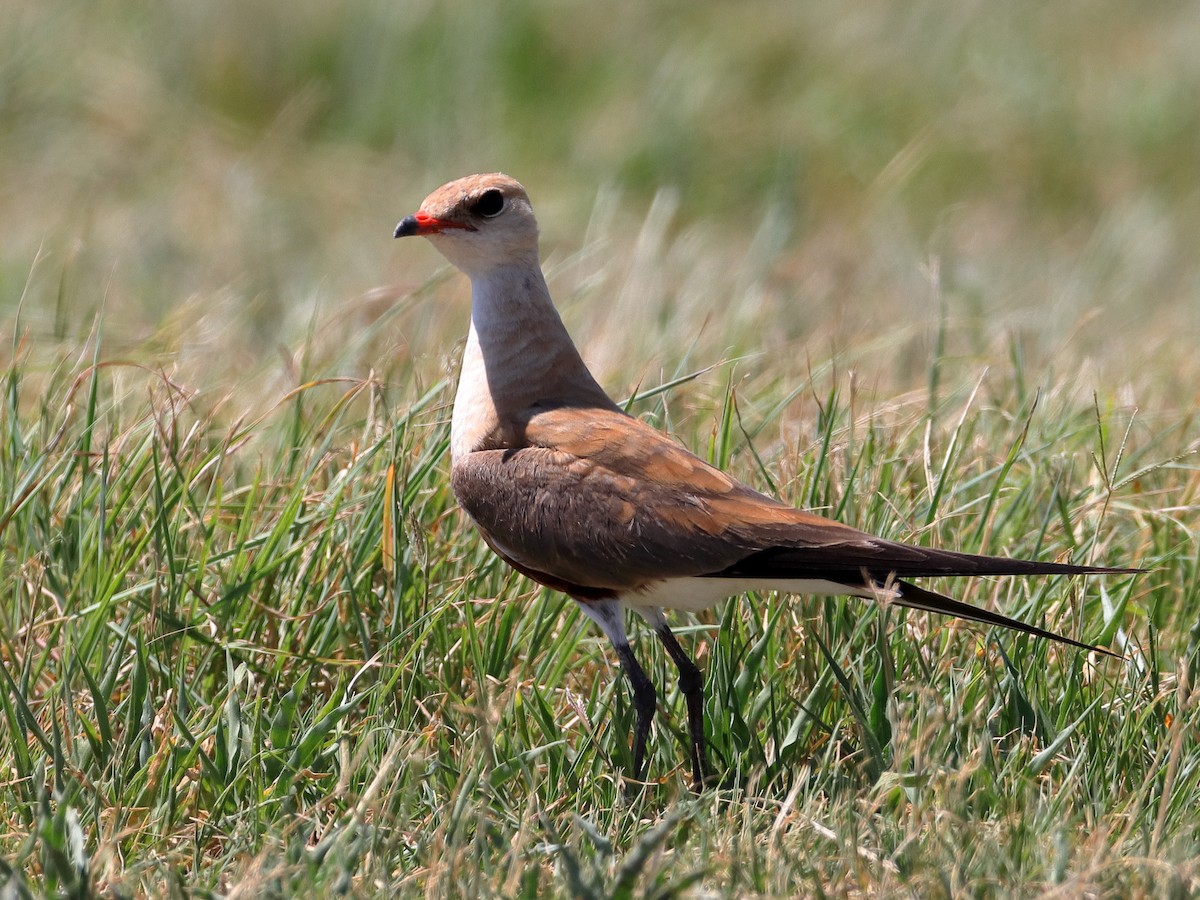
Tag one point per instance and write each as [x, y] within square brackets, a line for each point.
[518, 356]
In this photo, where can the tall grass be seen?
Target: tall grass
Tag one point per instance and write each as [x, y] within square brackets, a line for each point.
[925, 269]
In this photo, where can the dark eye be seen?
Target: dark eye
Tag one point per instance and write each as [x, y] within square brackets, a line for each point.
[490, 203]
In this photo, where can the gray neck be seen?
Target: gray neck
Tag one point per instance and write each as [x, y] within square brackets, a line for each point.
[518, 355]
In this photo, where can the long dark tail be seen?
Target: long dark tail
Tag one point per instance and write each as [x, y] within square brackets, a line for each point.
[919, 598]
[846, 561]
[861, 563]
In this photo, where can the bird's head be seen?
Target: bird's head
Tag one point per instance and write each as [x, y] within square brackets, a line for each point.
[479, 223]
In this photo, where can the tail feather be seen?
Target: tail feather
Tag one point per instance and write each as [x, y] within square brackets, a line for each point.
[864, 564]
[919, 598]
[846, 561]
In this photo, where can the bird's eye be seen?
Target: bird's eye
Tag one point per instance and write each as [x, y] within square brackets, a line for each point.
[489, 204]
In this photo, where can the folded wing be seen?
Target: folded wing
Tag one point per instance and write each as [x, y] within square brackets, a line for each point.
[596, 503]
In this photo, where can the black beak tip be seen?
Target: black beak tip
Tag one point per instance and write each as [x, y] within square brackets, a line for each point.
[407, 227]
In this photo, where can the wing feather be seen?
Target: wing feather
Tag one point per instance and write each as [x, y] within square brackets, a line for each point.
[598, 499]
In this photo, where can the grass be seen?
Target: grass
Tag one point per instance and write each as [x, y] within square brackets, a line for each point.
[229, 669]
[926, 269]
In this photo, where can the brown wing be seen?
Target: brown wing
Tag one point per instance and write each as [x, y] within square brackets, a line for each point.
[577, 513]
[598, 500]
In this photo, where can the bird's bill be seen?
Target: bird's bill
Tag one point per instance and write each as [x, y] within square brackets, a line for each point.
[425, 224]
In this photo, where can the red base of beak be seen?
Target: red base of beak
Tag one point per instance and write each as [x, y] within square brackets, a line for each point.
[423, 224]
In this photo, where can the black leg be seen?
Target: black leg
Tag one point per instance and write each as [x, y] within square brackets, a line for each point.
[644, 702]
[691, 684]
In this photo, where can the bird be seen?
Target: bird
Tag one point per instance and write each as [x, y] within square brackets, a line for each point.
[575, 493]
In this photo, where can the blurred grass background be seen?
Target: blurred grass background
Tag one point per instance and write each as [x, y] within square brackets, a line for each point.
[249, 157]
[898, 231]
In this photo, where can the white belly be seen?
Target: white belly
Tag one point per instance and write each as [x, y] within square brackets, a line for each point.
[695, 594]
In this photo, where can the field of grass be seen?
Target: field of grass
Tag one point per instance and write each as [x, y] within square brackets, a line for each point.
[930, 268]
